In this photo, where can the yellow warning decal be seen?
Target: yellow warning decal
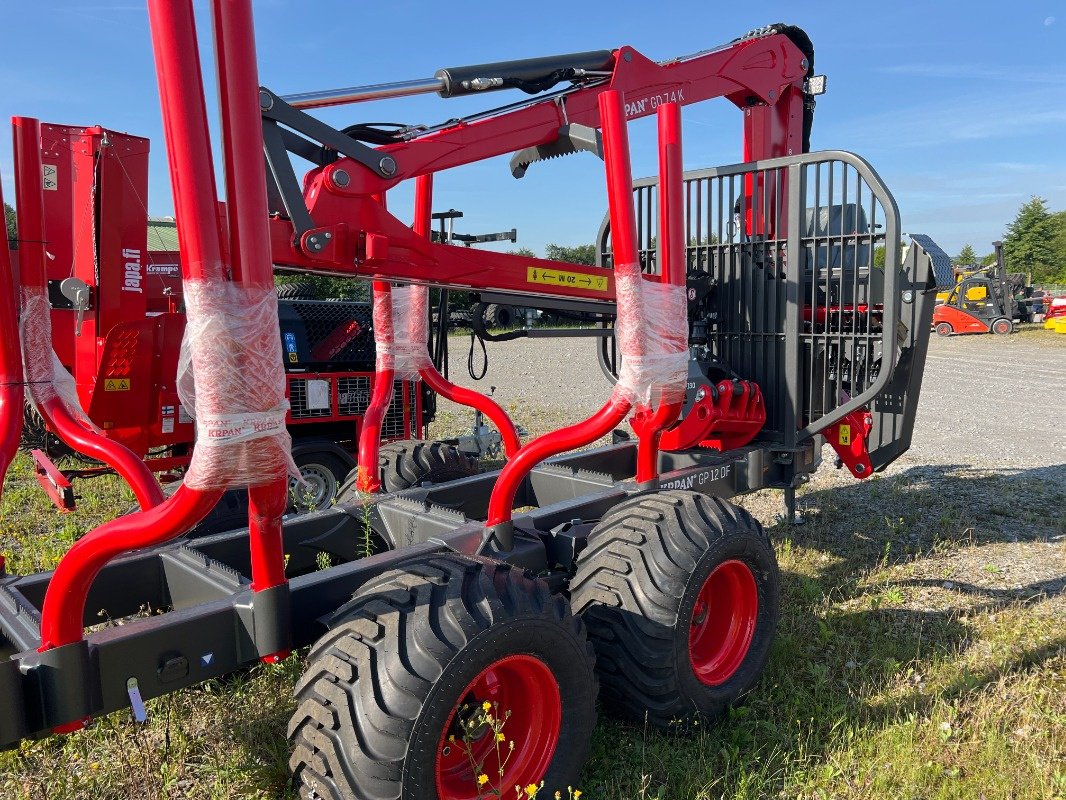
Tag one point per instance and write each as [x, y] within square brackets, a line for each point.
[576, 280]
[844, 437]
[293, 357]
[117, 385]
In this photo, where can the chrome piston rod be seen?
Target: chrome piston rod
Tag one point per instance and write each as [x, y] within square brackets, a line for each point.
[359, 94]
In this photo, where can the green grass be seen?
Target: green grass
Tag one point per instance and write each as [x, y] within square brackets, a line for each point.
[920, 654]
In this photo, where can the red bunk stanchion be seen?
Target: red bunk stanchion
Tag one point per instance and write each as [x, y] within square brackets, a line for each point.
[12, 391]
[231, 327]
[672, 266]
[651, 323]
[369, 476]
[438, 383]
[253, 271]
[400, 334]
[624, 244]
[55, 398]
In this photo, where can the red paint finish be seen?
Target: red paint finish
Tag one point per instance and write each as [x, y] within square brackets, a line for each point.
[12, 394]
[33, 276]
[849, 439]
[624, 245]
[959, 320]
[369, 475]
[723, 622]
[368, 241]
[672, 258]
[728, 416]
[522, 687]
[196, 203]
[249, 250]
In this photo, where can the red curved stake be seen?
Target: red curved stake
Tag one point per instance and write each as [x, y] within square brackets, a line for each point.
[196, 205]
[369, 475]
[64, 602]
[250, 256]
[624, 244]
[672, 265]
[437, 382]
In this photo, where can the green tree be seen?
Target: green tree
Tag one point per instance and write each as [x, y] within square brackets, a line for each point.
[9, 218]
[523, 251]
[1028, 245]
[1058, 243]
[579, 254]
[966, 256]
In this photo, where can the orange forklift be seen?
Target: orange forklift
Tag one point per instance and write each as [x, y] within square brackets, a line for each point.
[979, 303]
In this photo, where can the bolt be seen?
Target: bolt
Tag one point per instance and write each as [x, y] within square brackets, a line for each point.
[773, 94]
[266, 102]
[804, 64]
[860, 468]
[328, 235]
[701, 393]
[341, 178]
[387, 165]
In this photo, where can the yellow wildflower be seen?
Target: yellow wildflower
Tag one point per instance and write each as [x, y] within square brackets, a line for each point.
[482, 779]
[486, 705]
[500, 737]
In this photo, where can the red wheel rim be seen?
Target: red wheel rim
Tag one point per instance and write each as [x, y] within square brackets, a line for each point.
[723, 622]
[525, 687]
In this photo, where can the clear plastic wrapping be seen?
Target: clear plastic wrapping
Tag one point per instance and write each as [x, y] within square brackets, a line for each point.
[231, 378]
[46, 377]
[652, 334]
[401, 330]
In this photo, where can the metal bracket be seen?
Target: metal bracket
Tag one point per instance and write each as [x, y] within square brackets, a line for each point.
[308, 138]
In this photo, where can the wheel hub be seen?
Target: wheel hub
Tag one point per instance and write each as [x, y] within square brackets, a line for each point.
[516, 733]
[318, 490]
[723, 622]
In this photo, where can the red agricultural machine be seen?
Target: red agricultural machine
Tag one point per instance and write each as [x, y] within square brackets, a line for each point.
[750, 326]
[117, 319]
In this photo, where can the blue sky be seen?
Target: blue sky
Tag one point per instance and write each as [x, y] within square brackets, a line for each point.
[958, 105]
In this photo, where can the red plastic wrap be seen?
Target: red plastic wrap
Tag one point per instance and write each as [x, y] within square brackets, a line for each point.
[231, 378]
[401, 323]
[652, 334]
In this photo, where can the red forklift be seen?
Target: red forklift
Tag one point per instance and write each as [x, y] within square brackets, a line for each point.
[979, 302]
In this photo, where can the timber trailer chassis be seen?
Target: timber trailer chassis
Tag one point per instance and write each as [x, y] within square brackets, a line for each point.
[817, 344]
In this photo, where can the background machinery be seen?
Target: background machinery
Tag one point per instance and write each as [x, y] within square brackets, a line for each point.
[983, 300]
[118, 316]
[628, 568]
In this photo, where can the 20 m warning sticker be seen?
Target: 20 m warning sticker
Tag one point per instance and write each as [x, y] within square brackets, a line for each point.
[117, 385]
[575, 280]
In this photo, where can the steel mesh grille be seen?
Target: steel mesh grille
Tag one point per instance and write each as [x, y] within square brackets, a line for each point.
[322, 319]
[352, 398]
[813, 357]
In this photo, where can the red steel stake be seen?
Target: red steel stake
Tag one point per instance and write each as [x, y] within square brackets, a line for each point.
[672, 267]
[624, 244]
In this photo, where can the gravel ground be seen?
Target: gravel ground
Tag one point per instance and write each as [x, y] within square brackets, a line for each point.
[986, 401]
[971, 507]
